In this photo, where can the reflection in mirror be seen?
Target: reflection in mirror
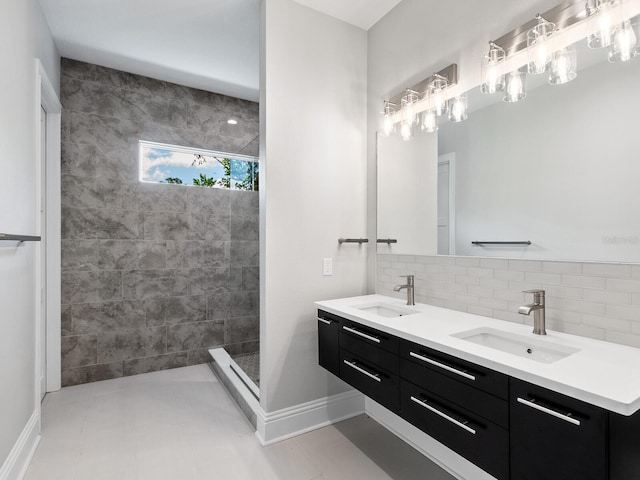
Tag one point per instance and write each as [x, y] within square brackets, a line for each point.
[559, 169]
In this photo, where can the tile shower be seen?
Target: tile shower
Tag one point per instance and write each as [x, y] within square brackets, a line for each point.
[153, 275]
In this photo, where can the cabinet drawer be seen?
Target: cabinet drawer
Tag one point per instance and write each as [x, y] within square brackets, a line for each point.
[365, 350]
[479, 441]
[492, 408]
[370, 379]
[328, 349]
[468, 373]
[554, 436]
[370, 335]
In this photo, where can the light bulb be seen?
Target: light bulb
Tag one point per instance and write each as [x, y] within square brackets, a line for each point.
[515, 89]
[563, 66]
[438, 102]
[436, 93]
[458, 109]
[491, 67]
[602, 24]
[430, 121]
[406, 131]
[624, 46]
[537, 45]
[387, 125]
[541, 55]
[492, 79]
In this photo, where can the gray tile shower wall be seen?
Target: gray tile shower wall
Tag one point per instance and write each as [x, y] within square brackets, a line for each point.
[152, 275]
[596, 300]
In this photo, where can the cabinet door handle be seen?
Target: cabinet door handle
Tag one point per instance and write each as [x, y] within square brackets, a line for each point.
[357, 332]
[443, 366]
[362, 370]
[443, 415]
[531, 403]
[324, 320]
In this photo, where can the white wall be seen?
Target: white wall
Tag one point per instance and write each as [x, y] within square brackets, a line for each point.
[24, 36]
[559, 169]
[418, 38]
[313, 176]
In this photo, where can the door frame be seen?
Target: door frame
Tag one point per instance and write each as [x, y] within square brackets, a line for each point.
[450, 158]
[49, 177]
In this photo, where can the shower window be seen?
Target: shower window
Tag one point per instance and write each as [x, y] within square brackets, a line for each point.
[162, 163]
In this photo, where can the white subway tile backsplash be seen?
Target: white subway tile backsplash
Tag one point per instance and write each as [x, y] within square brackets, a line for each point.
[597, 300]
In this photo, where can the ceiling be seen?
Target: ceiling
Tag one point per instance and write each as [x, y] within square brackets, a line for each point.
[207, 44]
[361, 13]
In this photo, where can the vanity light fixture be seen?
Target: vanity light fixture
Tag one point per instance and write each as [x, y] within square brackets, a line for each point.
[430, 121]
[435, 92]
[516, 86]
[458, 108]
[601, 23]
[563, 66]
[388, 127]
[625, 42]
[491, 69]
[538, 45]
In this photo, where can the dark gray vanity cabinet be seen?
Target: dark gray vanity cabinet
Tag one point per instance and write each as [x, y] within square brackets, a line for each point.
[555, 437]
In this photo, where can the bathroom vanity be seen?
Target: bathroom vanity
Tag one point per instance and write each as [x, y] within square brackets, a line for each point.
[517, 405]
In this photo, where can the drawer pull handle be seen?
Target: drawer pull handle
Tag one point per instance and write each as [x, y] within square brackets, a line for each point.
[443, 366]
[443, 415]
[362, 370]
[531, 403]
[324, 320]
[364, 335]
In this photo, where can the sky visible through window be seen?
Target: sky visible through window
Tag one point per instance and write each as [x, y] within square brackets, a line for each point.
[187, 166]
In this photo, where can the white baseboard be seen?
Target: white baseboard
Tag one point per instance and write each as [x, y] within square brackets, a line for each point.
[289, 422]
[444, 457]
[17, 462]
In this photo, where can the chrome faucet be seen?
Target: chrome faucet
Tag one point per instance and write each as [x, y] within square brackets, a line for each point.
[537, 307]
[409, 287]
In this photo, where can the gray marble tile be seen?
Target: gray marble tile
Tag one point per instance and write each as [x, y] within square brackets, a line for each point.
[132, 254]
[245, 228]
[76, 69]
[250, 278]
[79, 351]
[127, 344]
[235, 279]
[176, 253]
[100, 99]
[85, 287]
[65, 126]
[203, 281]
[117, 224]
[79, 254]
[241, 330]
[218, 306]
[155, 363]
[65, 320]
[157, 197]
[252, 148]
[91, 373]
[245, 253]
[99, 130]
[78, 223]
[217, 227]
[188, 336]
[90, 160]
[173, 310]
[207, 254]
[91, 192]
[172, 226]
[198, 356]
[244, 304]
[96, 318]
[140, 284]
[210, 201]
[244, 204]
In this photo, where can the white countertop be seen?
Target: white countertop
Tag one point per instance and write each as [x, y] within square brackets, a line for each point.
[601, 373]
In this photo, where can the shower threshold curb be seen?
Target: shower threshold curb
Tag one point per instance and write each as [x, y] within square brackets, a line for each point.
[236, 386]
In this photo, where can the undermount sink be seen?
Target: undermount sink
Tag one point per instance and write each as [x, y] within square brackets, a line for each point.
[386, 310]
[523, 346]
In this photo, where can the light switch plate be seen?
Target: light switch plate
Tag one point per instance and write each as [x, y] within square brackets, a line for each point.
[327, 266]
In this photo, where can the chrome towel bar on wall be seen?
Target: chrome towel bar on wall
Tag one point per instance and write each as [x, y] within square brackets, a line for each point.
[388, 241]
[523, 242]
[353, 240]
[9, 237]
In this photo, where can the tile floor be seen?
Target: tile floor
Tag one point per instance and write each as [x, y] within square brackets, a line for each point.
[250, 364]
[182, 424]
